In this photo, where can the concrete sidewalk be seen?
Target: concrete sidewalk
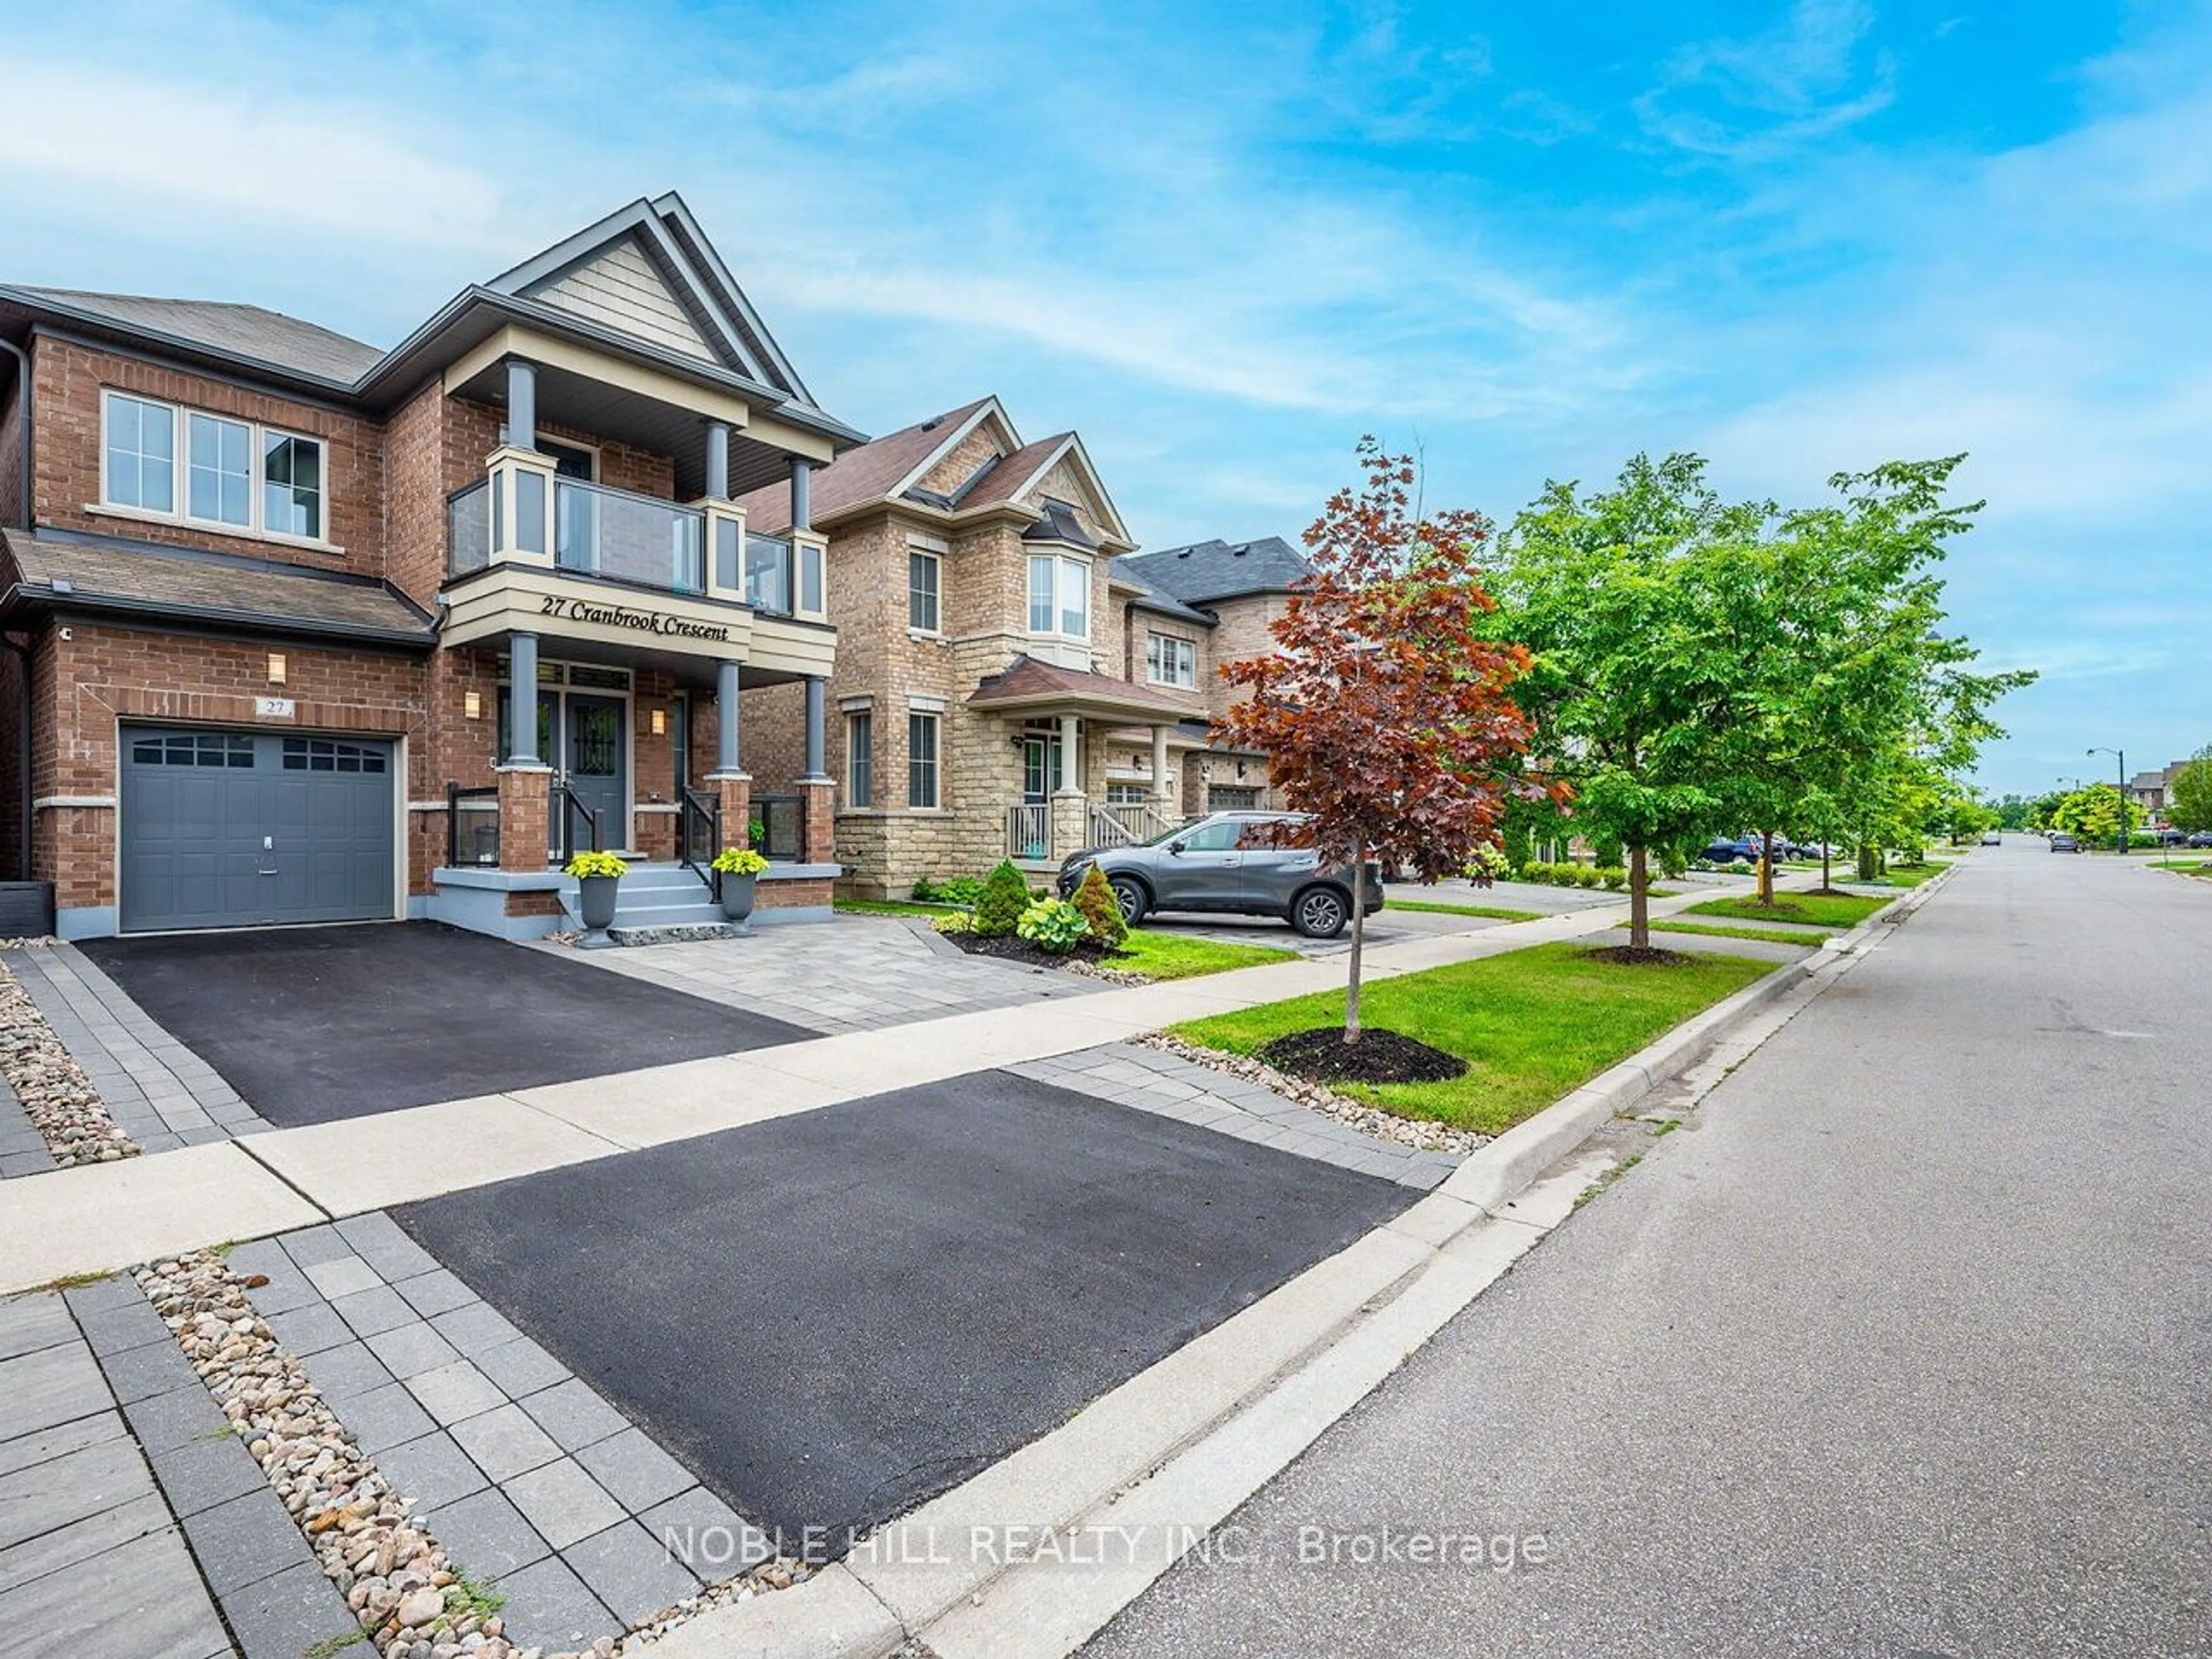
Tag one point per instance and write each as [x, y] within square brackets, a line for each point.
[97, 1219]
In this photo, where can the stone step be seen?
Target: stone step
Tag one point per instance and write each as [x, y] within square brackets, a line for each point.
[682, 933]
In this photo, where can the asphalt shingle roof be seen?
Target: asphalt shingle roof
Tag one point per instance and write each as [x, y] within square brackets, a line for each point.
[1217, 570]
[245, 331]
[866, 473]
[102, 575]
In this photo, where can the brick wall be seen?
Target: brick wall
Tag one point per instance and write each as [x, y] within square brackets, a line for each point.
[85, 686]
[11, 452]
[962, 458]
[70, 380]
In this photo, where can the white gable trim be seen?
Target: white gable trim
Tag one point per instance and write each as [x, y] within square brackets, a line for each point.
[989, 407]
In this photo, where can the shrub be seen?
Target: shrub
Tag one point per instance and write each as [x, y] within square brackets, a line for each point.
[1055, 924]
[999, 907]
[1094, 898]
[1615, 877]
[1586, 875]
[953, 921]
[923, 891]
[961, 889]
[1487, 863]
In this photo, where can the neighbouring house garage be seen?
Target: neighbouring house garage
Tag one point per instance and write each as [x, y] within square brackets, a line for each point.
[247, 829]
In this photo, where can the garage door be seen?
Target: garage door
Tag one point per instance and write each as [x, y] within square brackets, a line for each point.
[236, 829]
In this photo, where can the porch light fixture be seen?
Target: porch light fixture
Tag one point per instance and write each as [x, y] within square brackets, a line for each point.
[471, 705]
[275, 668]
[661, 722]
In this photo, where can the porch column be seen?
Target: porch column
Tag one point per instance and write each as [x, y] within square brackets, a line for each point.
[725, 719]
[1160, 764]
[525, 781]
[521, 404]
[802, 493]
[522, 703]
[718, 460]
[817, 686]
[1070, 809]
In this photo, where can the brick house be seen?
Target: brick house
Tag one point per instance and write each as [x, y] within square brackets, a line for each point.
[1013, 679]
[267, 592]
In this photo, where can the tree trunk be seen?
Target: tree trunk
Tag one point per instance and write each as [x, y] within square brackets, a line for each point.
[1869, 860]
[1766, 867]
[1640, 898]
[1359, 939]
[1825, 883]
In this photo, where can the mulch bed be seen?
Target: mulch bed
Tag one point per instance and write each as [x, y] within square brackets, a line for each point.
[1640, 955]
[1012, 947]
[1324, 1057]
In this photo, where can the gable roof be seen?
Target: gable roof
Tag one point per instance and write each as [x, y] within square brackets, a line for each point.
[881, 470]
[1146, 597]
[1026, 683]
[243, 330]
[1210, 570]
[643, 282]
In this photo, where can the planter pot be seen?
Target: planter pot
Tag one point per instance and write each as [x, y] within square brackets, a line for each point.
[598, 901]
[738, 896]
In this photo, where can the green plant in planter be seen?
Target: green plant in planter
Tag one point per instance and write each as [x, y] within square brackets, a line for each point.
[1054, 924]
[756, 833]
[584, 865]
[999, 907]
[738, 861]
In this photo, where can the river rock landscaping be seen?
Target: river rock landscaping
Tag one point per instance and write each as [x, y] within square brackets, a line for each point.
[1423, 1134]
[59, 1099]
[412, 1600]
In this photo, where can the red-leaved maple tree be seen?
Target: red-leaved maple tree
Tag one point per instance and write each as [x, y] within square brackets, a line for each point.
[1384, 712]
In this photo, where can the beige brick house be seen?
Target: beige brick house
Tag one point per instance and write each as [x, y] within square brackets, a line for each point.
[1013, 680]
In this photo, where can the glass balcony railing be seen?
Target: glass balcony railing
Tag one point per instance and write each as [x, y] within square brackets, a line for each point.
[632, 538]
[598, 531]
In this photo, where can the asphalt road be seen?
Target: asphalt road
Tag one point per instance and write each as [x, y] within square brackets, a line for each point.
[1901, 1347]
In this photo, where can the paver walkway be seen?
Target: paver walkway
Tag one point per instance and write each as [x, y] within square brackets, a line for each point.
[92, 1562]
[859, 973]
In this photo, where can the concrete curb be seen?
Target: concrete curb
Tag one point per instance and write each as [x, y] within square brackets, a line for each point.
[1173, 1451]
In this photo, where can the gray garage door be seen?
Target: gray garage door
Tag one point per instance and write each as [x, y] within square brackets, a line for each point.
[233, 829]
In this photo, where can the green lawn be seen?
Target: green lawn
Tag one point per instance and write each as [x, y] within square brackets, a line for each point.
[1841, 910]
[1494, 911]
[1178, 956]
[892, 907]
[1905, 875]
[1532, 1025]
[1769, 935]
[2189, 866]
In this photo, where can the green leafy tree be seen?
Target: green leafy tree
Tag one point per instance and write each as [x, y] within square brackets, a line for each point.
[2188, 796]
[2096, 813]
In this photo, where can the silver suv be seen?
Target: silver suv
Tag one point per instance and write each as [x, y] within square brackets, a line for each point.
[1218, 863]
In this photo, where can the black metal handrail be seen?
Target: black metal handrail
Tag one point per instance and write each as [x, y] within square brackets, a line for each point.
[484, 841]
[699, 834]
[570, 805]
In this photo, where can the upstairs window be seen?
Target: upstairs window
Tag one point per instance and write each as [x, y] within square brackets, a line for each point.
[1059, 595]
[1170, 661]
[925, 580]
[238, 476]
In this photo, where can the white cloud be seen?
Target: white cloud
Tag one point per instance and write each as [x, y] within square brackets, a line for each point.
[1802, 81]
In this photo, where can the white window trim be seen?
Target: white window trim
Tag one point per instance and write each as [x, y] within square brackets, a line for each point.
[1153, 675]
[937, 559]
[1062, 563]
[259, 433]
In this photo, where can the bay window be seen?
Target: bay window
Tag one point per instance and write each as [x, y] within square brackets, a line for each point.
[1059, 595]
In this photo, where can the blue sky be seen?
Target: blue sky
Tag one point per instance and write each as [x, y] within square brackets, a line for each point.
[1223, 241]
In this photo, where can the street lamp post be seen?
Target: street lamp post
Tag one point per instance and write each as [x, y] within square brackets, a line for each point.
[2120, 755]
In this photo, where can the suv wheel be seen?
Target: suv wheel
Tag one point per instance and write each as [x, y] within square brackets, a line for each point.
[1320, 912]
[1129, 894]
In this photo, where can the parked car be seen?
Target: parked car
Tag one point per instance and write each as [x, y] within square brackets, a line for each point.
[1227, 862]
[2063, 842]
[1727, 852]
[2170, 837]
[2202, 838]
[1991, 838]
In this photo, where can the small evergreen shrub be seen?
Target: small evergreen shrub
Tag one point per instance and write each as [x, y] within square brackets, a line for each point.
[999, 907]
[1094, 896]
[1054, 924]
[923, 891]
[1586, 875]
[1614, 876]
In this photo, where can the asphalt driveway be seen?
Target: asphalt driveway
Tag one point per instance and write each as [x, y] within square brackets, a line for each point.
[834, 1316]
[313, 1023]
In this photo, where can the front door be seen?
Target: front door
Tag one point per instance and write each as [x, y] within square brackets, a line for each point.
[594, 753]
[1040, 768]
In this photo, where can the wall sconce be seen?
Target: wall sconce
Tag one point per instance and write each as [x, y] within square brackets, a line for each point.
[471, 705]
[275, 668]
[661, 722]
